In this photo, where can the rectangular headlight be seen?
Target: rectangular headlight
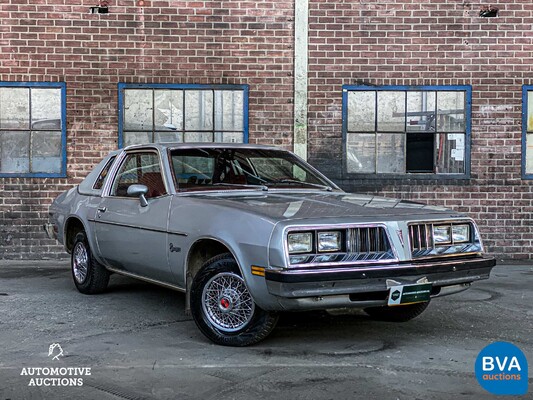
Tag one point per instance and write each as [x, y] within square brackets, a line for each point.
[442, 234]
[329, 241]
[300, 242]
[461, 233]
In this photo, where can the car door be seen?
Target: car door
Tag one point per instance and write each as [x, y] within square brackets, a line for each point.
[130, 236]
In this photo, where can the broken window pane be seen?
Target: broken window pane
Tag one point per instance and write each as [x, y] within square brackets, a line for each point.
[46, 152]
[168, 109]
[15, 152]
[138, 109]
[391, 111]
[450, 111]
[45, 107]
[421, 111]
[198, 110]
[361, 153]
[391, 150]
[361, 111]
[14, 108]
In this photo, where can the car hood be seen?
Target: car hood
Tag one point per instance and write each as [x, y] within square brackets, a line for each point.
[281, 206]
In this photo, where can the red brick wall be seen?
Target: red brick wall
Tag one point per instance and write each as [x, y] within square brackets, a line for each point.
[433, 42]
[215, 42]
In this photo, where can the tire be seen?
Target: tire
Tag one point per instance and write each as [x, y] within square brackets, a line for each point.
[90, 277]
[223, 308]
[397, 313]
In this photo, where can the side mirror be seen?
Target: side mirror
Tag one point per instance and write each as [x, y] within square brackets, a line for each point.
[140, 192]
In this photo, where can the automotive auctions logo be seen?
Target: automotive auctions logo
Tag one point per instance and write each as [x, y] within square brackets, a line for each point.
[501, 368]
[56, 376]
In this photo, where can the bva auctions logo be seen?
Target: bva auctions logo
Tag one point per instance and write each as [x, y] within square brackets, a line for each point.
[501, 368]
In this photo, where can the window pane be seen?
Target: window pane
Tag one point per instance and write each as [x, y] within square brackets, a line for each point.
[15, 152]
[168, 137]
[421, 111]
[361, 153]
[391, 157]
[450, 154]
[420, 152]
[138, 109]
[198, 137]
[229, 137]
[361, 111]
[451, 112]
[137, 138]
[229, 110]
[391, 111]
[530, 111]
[529, 153]
[45, 107]
[14, 108]
[168, 109]
[198, 110]
[46, 152]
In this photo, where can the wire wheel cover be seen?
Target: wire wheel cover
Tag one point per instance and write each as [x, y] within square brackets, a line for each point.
[227, 303]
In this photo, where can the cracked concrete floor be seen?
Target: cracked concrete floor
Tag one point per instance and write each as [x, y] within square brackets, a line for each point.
[139, 343]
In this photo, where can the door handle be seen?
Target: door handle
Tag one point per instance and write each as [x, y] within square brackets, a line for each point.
[102, 209]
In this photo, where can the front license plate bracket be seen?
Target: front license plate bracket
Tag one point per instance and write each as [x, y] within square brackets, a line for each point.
[400, 295]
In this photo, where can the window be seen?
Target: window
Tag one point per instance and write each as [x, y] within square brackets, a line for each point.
[527, 132]
[406, 130]
[32, 129]
[139, 168]
[182, 113]
[99, 183]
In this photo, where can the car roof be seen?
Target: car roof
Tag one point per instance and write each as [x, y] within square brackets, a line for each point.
[203, 145]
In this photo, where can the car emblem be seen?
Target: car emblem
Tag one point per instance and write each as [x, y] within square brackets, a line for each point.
[400, 235]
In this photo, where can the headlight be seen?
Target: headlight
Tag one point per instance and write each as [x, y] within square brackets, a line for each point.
[461, 233]
[329, 241]
[300, 242]
[442, 234]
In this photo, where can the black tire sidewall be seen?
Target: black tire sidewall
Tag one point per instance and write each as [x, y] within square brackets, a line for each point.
[96, 280]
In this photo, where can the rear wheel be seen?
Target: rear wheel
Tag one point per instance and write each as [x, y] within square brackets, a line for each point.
[223, 308]
[397, 313]
[90, 277]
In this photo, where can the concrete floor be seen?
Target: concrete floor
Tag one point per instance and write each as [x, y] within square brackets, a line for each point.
[139, 344]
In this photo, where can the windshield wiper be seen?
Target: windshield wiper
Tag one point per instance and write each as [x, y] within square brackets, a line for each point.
[262, 187]
[295, 181]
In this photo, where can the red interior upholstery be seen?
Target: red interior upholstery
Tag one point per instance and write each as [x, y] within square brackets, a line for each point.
[154, 182]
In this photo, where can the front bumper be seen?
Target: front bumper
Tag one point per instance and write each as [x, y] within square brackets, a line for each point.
[363, 286]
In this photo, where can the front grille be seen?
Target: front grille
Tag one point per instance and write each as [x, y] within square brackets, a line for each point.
[368, 243]
[423, 245]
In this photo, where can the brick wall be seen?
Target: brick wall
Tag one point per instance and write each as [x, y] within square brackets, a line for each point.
[139, 41]
[433, 42]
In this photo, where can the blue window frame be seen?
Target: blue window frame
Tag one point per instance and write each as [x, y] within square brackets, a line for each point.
[182, 113]
[406, 131]
[527, 132]
[33, 138]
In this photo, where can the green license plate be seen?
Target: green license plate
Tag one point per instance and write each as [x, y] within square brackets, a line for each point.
[409, 294]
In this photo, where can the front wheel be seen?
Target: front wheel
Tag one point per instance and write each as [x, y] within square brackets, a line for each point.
[397, 313]
[223, 308]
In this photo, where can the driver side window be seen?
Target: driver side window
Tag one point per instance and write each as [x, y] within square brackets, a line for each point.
[139, 168]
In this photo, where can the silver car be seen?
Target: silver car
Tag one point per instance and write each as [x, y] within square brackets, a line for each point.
[248, 231]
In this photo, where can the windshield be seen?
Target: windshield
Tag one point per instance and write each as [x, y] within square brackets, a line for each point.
[213, 168]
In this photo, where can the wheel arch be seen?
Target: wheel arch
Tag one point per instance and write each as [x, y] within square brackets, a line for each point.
[202, 250]
[73, 225]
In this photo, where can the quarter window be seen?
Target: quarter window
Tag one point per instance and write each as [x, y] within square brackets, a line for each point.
[407, 130]
[183, 113]
[32, 129]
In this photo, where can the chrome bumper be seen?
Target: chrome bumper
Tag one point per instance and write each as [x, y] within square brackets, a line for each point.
[51, 231]
[363, 286]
